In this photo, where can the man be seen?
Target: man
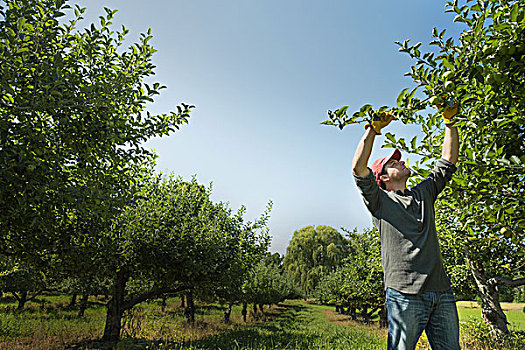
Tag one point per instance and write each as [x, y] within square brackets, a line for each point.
[418, 292]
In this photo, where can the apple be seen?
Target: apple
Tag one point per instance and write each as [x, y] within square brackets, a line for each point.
[448, 75]
[436, 100]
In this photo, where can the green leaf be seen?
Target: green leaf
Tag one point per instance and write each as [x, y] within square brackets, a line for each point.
[365, 108]
[514, 12]
[413, 142]
[515, 159]
[459, 18]
[11, 32]
[390, 137]
[412, 93]
[447, 64]
[400, 97]
[341, 112]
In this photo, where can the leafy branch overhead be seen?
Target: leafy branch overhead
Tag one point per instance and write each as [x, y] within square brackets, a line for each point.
[450, 71]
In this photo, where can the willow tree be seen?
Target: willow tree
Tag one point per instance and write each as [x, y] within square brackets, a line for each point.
[312, 253]
[484, 71]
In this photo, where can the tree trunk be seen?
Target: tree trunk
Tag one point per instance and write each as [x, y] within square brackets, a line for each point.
[190, 308]
[383, 318]
[22, 299]
[364, 313]
[73, 301]
[254, 310]
[337, 308]
[491, 311]
[228, 312]
[261, 308]
[352, 312]
[182, 304]
[115, 309]
[244, 311]
[345, 311]
[83, 305]
[163, 305]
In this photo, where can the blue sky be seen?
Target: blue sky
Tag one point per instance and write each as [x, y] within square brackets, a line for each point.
[262, 75]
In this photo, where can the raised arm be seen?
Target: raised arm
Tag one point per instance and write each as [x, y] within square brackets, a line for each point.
[450, 149]
[364, 148]
[362, 153]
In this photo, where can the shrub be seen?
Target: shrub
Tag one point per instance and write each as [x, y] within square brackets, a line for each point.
[476, 335]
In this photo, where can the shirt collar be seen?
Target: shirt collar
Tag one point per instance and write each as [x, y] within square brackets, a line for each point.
[405, 193]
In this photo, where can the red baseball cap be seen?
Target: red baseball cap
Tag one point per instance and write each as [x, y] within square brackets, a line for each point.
[377, 167]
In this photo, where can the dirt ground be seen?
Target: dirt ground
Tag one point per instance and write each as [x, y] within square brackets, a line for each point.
[504, 306]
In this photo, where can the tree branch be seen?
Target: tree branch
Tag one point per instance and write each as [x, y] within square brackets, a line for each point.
[128, 304]
[35, 295]
[16, 296]
[39, 108]
[495, 281]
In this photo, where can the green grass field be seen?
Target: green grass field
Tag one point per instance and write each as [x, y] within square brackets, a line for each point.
[48, 323]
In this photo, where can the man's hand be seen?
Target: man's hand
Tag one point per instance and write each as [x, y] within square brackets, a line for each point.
[450, 110]
[380, 120]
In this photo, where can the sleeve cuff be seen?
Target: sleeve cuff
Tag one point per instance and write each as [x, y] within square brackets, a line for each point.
[365, 179]
[442, 162]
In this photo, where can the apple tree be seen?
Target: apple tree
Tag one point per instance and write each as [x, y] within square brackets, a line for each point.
[25, 284]
[173, 239]
[72, 123]
[357, 283]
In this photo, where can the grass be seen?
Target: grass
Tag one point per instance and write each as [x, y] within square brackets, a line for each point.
[295, 325]
[473, 333]
[514, 311]
[48, 323]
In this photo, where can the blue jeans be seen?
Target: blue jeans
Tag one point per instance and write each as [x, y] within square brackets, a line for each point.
[410, 314]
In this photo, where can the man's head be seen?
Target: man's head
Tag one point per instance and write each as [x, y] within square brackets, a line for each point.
[390, 172]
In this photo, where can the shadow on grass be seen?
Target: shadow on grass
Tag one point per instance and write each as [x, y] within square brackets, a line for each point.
[278, 332]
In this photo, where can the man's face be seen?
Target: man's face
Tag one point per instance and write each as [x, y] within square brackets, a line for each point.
[396, 170]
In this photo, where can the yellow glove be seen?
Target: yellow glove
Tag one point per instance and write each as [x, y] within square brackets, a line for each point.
[451, 109]
[449, 113]
[380, 120]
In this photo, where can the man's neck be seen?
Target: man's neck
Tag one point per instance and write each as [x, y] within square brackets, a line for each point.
[397, 187]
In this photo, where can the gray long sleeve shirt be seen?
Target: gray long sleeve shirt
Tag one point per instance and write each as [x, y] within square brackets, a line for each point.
[410, 252]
